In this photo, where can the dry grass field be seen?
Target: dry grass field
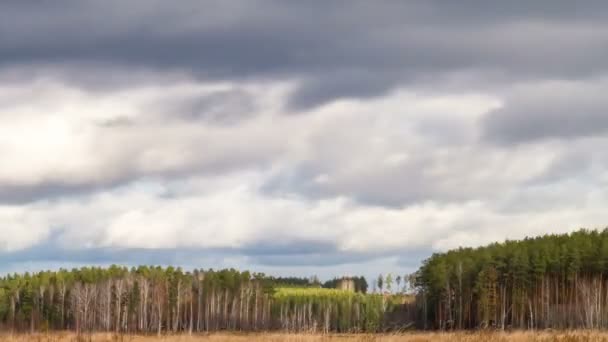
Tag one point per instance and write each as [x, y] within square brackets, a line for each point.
[570, 336]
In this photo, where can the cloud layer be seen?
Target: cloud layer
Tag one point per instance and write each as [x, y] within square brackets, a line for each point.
[296, 138]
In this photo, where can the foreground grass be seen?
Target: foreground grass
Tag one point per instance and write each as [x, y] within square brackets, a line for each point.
[565, 336]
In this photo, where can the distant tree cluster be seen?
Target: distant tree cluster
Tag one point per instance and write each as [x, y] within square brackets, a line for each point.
[295, 281]
[360, 283]
[553, 281]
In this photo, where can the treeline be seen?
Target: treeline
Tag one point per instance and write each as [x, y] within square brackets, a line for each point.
[553, 281]
[157, 300]
[359, 282]
[144, 299]
[295, 281]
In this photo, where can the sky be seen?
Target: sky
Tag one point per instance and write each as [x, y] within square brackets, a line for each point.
[296, 138]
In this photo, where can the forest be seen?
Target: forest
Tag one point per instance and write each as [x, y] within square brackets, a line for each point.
[552, 281]
[156, 300]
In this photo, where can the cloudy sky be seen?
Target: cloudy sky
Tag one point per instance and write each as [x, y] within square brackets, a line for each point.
[290, 137]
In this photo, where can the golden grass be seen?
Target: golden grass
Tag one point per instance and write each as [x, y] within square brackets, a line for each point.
[564, 336]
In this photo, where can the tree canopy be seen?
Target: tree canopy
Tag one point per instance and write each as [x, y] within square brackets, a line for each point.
[556, 280]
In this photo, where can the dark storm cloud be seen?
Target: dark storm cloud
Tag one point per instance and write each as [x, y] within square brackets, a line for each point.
[570, 165]
[307, 253]
[300, 247]
[346, 84]
[223, 107]
[527, 124]
[338, 48]
[375, 185]
[22, 194]
[300, 253]
[321, 259]
[554, 111]
[378, 188]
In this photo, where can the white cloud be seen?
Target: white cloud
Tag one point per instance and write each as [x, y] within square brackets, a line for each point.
[21, 227]
[405, 172]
